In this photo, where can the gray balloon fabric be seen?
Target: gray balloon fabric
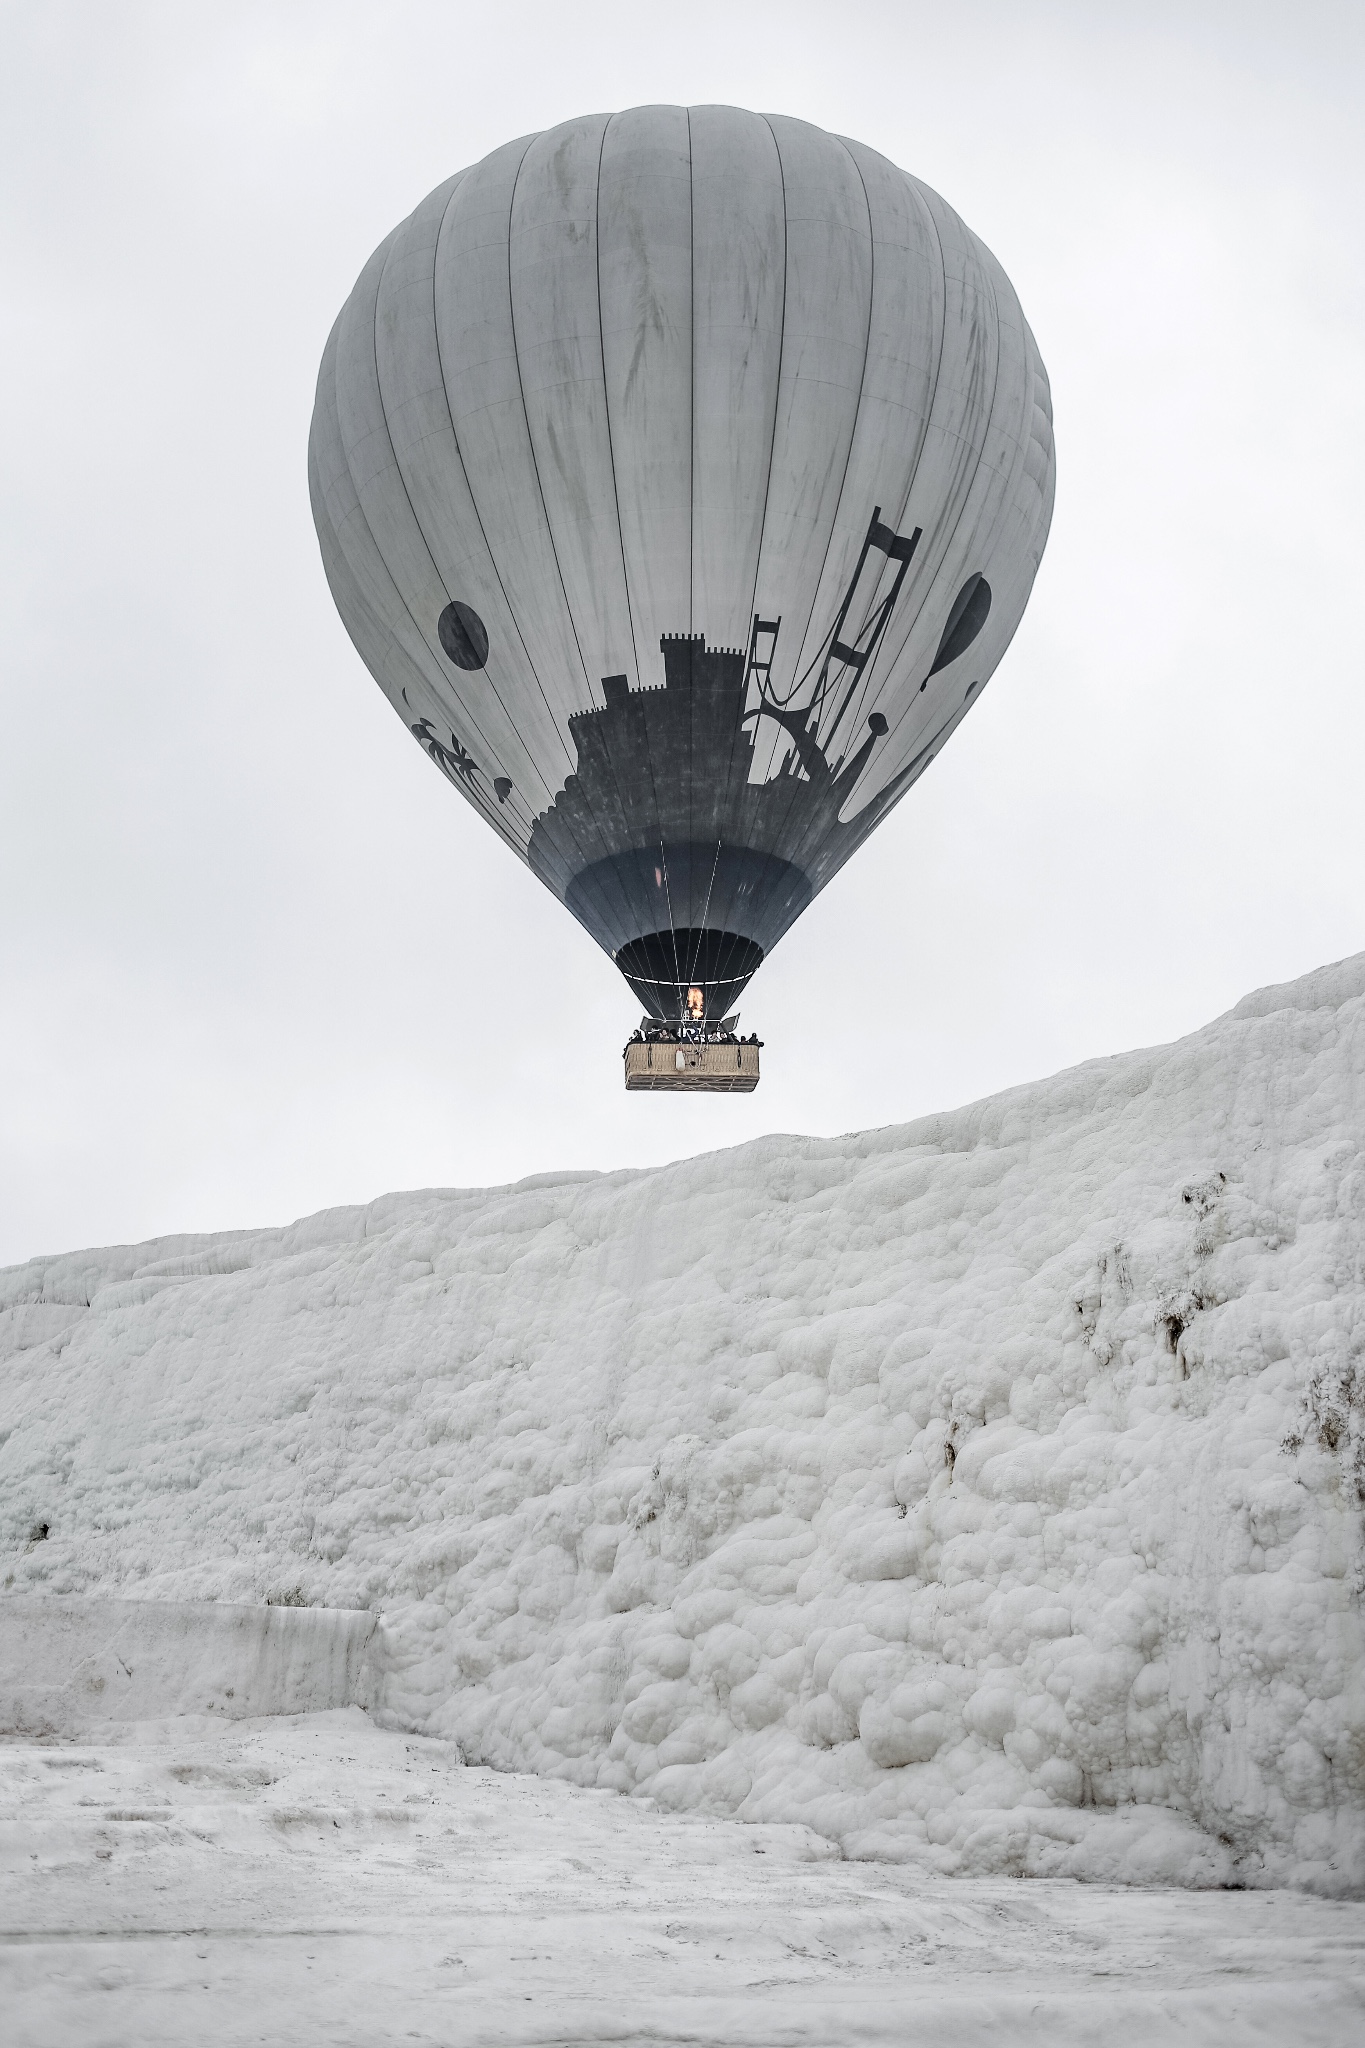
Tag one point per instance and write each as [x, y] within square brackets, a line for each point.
[681, 476]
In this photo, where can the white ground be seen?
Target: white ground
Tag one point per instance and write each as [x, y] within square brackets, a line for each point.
[986, 1494]
[316, 1880]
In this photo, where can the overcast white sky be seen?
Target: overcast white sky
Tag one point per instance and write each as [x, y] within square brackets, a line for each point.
[258, 958]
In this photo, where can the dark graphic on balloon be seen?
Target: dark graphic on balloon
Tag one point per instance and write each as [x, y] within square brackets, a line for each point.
[453, 761]
[702, 869]
[463, 635]
[971, 609]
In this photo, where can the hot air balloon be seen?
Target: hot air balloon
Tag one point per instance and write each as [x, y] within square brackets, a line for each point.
[681, 476]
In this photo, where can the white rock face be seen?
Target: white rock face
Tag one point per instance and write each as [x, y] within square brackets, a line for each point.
[68, 1665]
[988, 1492]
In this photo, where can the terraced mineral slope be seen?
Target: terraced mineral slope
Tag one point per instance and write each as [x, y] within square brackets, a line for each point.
[987, 1492]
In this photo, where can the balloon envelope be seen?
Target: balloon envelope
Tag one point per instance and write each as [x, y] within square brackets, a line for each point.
[681, 476]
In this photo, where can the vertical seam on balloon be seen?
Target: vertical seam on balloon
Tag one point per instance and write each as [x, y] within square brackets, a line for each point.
[692, 373]
[967, 494]
[794, 801]
[501, 702]
[866, 702]
[767, 481]
[535, 465]
[865, 699]
[388, 642]
[928, 214]
[571, 763]
[620, 536]
[530, 437]
[691, 489]
[861, 698]
[954, 718]
[848, 457]
[939, 737]
[516, 623]
[724, 791]
[487, 813]
[326, 405]
[497, 572]
[913, 621]
[483, 534]
[853, 431]
[691, 543]
[478, 515]
[621, 539]
[468, 715]
[818, 845]
[777, 387]
[606, 395]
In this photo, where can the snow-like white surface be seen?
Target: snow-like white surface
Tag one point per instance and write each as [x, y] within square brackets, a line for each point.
[985, 1493]
[68, 1663]
[317, 1880]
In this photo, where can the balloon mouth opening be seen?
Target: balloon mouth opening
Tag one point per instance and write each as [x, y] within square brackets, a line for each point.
[689, 976]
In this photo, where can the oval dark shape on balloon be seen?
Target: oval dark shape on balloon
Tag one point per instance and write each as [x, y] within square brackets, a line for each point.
[971, 608]
[463, 635]
[876, 725]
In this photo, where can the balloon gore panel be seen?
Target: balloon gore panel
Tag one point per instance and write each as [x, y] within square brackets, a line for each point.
[603, 513]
